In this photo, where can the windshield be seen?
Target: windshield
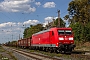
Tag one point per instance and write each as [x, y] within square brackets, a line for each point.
[60, 32]
[68, 32]
[64, 32]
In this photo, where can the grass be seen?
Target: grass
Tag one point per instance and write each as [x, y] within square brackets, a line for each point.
[52, 54]
[13, 57]
[84, 46]
[79, 45]
[7, 52]
[1, 56]
[1, 49]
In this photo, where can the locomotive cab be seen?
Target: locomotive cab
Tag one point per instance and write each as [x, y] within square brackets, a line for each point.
[65, 39]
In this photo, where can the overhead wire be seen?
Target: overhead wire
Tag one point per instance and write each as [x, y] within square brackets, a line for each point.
[11, 17]
[26, 15]
[1, 18]
[31, 12]
[60, 6]
[7, 16]
[57, 9]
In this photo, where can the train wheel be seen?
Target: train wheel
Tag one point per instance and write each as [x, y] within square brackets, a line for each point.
[65, 51]
[51, 50]
[57, 51]
[70, 51]
[43, 49]
[30, 48]
[40, 48]
[60, 50]
[47, 49]
[36, 48]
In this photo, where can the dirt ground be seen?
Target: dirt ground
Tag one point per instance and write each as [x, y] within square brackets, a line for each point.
[87, 44]
[5, 55]
[80, 45]
[84, 46]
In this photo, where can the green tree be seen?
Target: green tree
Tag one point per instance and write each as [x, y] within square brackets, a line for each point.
[88, 31]
[79, 18]
[33, 29]
[79, 11]
[77, 29]
[25, 32]
[62, 23]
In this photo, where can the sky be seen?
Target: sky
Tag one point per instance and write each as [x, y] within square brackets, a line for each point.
[16, 15]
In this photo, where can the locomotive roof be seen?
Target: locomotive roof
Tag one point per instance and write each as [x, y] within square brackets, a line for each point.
[65, 28]
[42, 32]
[49, 30]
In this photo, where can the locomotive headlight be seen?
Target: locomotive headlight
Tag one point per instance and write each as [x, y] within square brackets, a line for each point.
[71, 38]
[61, 38]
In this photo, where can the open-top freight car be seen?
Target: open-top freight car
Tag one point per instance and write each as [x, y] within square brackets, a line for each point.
[24, 43]
[54, 39]
[21, 43]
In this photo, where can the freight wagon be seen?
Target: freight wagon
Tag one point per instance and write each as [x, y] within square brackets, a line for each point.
[24, 43]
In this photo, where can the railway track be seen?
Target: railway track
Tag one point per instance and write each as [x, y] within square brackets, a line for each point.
[75, 55]
[83, 55]
[35, 56]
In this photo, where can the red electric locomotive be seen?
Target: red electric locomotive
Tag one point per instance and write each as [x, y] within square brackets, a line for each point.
[54, 40]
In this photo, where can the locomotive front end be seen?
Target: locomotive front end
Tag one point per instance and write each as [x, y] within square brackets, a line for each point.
[66, 40]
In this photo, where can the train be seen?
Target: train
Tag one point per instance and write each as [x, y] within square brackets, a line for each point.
[53, 40]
